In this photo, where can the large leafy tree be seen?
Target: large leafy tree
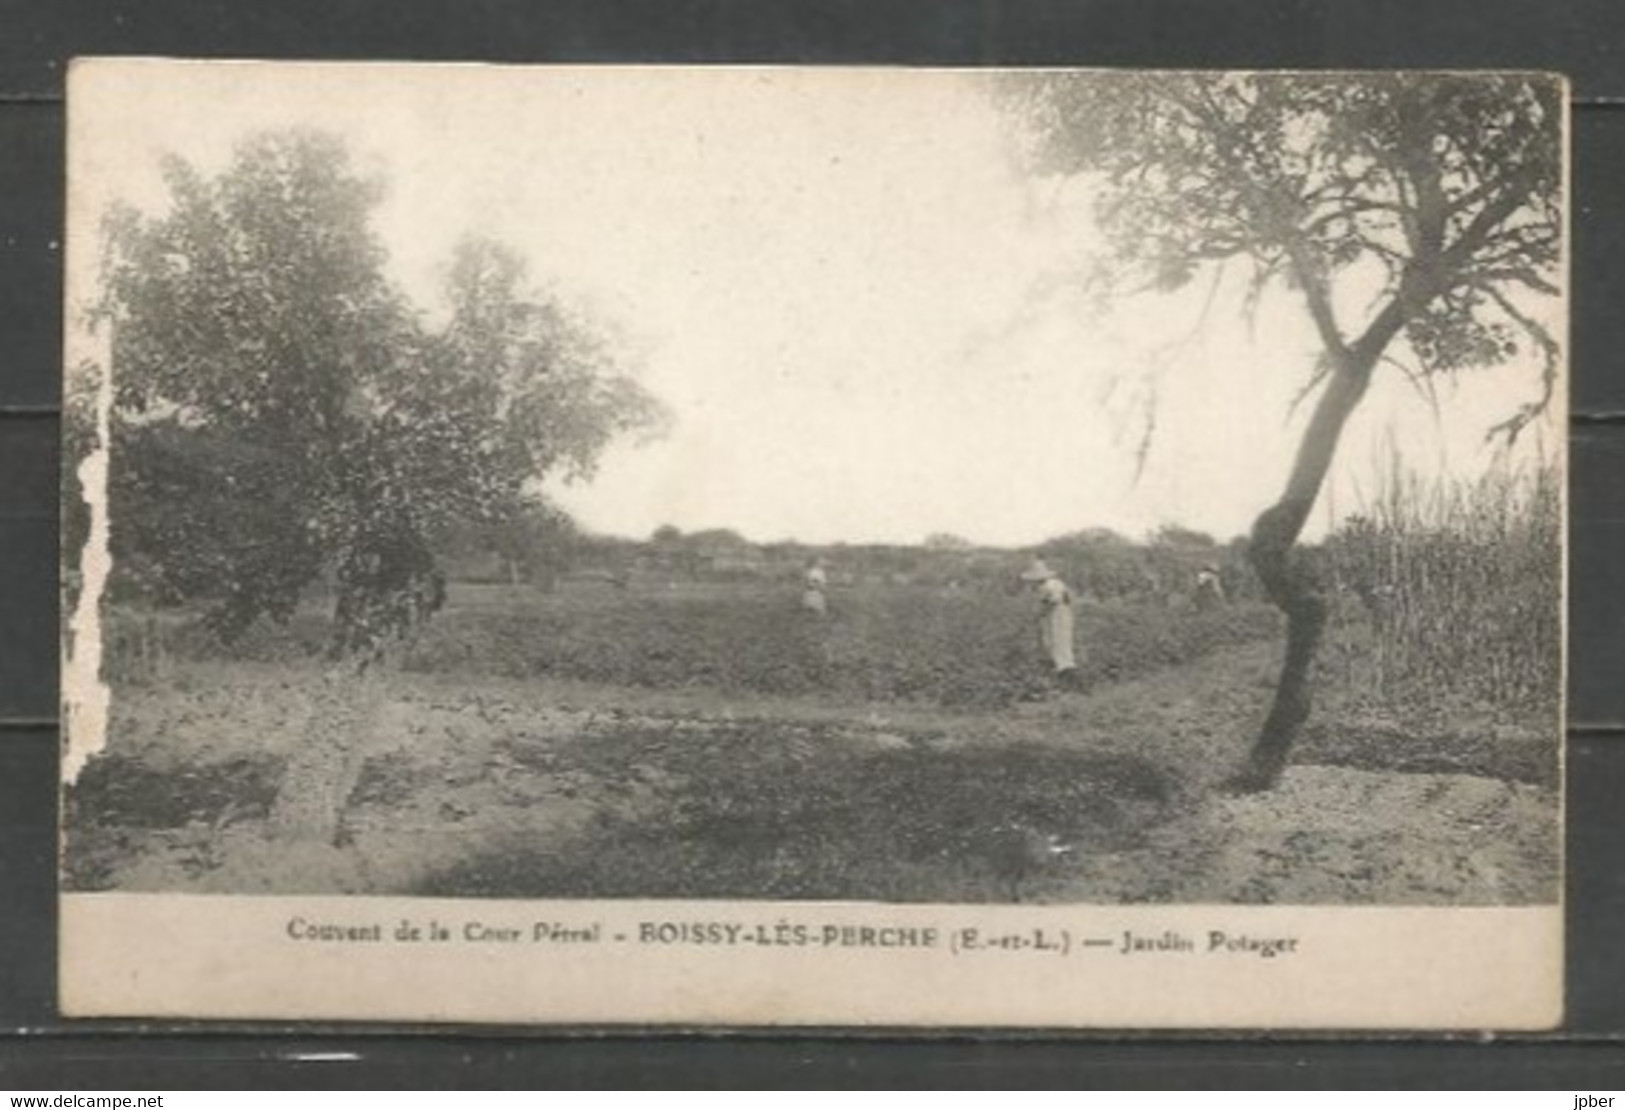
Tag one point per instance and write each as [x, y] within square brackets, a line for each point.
[1416, 218]
[282, 410]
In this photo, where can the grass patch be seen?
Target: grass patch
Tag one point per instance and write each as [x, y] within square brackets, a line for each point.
[803, 815]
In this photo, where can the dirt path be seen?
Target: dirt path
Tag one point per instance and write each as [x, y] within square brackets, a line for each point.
[571, 790]
[1334, 835]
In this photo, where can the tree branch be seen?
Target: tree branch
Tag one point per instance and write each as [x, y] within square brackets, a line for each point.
[1348, 211]
[1522, 275]
[1294, 240]
[1513, 425]
[1317, 296]
[1475, 234]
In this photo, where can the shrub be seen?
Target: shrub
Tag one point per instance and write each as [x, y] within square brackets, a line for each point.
[1460, 584]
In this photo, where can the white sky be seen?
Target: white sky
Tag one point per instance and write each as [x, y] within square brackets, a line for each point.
[830, 278]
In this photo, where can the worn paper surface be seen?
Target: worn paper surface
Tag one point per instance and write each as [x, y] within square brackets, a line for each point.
[811, 964]
[903, 641]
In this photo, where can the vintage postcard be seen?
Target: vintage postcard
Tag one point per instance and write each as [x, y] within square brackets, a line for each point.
[814, 547]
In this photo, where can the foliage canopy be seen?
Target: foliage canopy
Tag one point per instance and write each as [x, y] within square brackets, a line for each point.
[283, 410]
[1421, 205]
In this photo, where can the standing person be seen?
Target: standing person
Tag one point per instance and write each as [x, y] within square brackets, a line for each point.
[1055, 624]
[1209, 587]
[817, 584]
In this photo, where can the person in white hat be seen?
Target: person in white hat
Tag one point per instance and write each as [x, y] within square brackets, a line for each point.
[816, 584]
[1055, 625]
[1209, 587]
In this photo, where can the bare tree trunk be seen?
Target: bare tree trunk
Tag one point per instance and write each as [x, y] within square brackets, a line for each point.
[322, 770]
[385, 593]
[1290, 583]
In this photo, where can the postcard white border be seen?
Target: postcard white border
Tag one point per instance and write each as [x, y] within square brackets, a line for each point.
[169, 955]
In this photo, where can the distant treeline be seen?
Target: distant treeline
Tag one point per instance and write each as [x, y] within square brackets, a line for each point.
[1096, 562]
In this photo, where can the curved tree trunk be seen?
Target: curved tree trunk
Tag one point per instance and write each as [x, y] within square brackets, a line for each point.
[1289, 582]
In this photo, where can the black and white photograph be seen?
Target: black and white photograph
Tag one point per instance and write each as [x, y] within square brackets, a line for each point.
[871, 546]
